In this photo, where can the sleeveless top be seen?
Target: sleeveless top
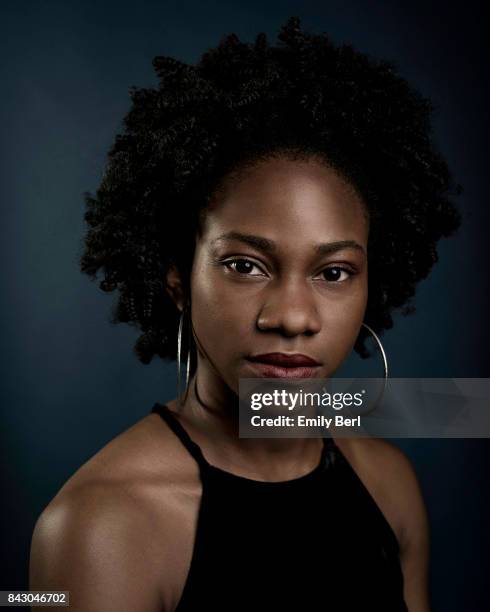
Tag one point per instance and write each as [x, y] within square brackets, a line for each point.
[315, 543]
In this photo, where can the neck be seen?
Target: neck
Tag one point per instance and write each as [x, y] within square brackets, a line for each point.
[210, 412]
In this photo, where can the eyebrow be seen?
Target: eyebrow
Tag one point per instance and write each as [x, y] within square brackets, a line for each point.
[269, 246]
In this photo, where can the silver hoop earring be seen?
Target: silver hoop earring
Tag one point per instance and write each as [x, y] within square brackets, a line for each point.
[380, 346]
[385, 365]
[179, 355]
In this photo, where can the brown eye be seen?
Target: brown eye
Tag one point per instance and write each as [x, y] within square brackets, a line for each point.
[242, 266]
[334, 274]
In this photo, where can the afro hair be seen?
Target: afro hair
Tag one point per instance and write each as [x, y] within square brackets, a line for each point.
[245, 101]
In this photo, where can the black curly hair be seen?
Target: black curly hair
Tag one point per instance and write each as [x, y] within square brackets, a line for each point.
[242, 102]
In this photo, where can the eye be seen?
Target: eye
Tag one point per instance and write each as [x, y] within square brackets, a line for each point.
[335, 273]
[242, 266]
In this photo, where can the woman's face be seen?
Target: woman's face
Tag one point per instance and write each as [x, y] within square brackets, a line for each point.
[280, 267]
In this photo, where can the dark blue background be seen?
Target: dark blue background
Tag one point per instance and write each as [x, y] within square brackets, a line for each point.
[70, 382]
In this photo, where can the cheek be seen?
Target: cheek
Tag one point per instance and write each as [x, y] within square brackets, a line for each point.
[341, 324]
[220, 315]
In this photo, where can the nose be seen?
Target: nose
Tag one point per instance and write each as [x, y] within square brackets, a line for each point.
[290, 309]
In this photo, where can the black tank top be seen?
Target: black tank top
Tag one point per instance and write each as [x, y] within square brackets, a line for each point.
[315, 543]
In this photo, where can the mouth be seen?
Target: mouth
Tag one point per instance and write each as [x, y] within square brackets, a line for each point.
[283, 365]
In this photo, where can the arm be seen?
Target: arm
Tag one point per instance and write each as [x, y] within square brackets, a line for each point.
[95, 543]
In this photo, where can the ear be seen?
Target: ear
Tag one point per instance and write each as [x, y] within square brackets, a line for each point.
[173, 286]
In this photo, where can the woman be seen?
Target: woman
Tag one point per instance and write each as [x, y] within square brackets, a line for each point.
[237, 217]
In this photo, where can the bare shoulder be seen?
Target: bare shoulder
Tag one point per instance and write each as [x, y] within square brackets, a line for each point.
[390, 477]
[110, 533]
[90, 541]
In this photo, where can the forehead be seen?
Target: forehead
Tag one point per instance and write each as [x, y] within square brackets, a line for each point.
[288, 200]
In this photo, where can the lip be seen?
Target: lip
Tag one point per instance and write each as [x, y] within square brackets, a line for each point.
[285, 360]
[267, 370]
[283, 365]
